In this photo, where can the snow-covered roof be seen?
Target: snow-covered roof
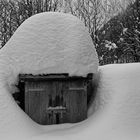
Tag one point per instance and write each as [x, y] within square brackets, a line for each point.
[49, 43]
[52, 43]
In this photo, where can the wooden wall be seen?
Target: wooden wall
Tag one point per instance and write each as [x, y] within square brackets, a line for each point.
[52, 102]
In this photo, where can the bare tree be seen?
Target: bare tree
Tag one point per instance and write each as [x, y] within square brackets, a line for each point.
[14, 12]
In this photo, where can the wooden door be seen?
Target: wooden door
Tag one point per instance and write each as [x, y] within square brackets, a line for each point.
[57, 109]
[45, 101]
[35, 101]
[55, 102]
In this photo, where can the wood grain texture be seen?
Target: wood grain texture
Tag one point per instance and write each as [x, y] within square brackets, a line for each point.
[55, 101]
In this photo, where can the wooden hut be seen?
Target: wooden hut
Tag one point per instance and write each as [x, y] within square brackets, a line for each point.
[54, 98]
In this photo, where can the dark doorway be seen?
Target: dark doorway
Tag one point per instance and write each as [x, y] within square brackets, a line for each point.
[20, 96]
[57, 118]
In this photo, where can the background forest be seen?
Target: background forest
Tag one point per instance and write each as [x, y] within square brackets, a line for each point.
[114, 25]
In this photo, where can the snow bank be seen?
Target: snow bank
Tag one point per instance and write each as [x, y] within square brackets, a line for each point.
[117, 112]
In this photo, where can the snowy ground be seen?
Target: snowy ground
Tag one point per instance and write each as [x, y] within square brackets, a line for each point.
[117, 114]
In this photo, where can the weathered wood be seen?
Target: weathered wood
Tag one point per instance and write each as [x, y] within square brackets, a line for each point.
[48, 77]
[56, 101]
[78, 101]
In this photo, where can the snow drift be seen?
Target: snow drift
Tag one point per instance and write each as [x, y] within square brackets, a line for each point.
[116, 108]
[115, 113]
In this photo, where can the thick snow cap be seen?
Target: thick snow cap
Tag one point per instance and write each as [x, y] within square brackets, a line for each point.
[52, 43]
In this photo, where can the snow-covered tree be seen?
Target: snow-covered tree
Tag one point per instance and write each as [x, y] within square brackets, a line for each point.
[123, 31]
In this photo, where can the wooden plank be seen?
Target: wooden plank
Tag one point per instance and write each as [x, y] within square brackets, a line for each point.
[26, 100]
[44, 102]
[77, 89]
[65, 116]
[78, 103]
[35, 90]
[48, 77]
[34, 106]
[33, 100]
[57, 100]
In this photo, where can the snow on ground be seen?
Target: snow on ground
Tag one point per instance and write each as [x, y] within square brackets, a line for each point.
[115, 113]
